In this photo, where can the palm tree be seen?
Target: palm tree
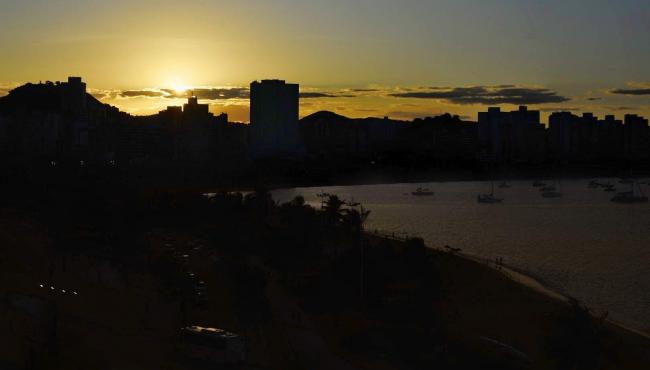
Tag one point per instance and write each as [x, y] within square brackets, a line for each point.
[332, 208]
[354, 219]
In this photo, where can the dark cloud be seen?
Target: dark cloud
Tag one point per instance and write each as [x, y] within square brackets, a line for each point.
[211, 93]
[593, 99]
[489, 95]
[104, 94]
[309, 94]
[223, 93]
[316, 95]
[637, 92]
[486, 87]
[625, 108]
[141, 93]
[201, 93]
[364, 90]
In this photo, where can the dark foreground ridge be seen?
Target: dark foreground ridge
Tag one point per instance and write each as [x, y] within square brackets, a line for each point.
[100, 275]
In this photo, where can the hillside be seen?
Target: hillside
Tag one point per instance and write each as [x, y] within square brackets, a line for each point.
[104, 282]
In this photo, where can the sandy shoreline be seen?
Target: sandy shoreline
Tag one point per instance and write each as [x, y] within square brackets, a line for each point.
[536, 285]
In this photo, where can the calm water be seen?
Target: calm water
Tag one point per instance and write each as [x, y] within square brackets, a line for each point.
[581, 244]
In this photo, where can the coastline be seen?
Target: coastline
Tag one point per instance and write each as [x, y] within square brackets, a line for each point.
[469, 311]
[387, 175]
[616, 317]
[520, 277]
[535, 284]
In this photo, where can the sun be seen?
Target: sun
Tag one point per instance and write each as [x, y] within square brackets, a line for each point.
[177, 84]
[180, 88]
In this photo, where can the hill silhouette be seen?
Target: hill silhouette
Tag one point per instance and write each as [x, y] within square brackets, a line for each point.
[329, 117]
[45, 97]
[324, 115]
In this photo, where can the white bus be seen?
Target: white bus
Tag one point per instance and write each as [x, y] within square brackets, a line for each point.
[212, 345]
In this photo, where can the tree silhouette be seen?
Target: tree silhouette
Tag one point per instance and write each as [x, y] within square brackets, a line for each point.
[332, 208]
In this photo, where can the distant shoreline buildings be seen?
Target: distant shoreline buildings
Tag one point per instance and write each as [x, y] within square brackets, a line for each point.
[54, 122]
[520, 137]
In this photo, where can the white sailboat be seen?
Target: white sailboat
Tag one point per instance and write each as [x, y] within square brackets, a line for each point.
[422, 192]
[489, 198]
[550, 191]
[631, 196]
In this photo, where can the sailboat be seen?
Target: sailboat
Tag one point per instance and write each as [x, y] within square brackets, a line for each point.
[422, 192]
[630, 196]
[594, 184]
[609, 187]
[547, 188]
[504, 185]
[489, 198]
[550, 191]
[551, 194]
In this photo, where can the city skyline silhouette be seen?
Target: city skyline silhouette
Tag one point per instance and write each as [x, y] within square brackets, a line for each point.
[324, 184]
[275, 130]
[381, 60]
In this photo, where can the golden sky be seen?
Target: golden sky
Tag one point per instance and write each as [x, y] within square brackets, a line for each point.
[415, 57]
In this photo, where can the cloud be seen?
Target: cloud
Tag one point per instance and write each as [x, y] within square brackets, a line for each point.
[312, 94]
[316, 95]
[633, 88]
[6, 87]
[219, 93]
[99, 95]
[624, 108]
[488, 95]
[633, 91]
[594, 98]
[365, 90]
[212, 93]
[201, 93]
[485, 86]
[141, 93]
[236, 112]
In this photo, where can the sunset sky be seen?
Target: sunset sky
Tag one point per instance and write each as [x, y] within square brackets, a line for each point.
[402, 59]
